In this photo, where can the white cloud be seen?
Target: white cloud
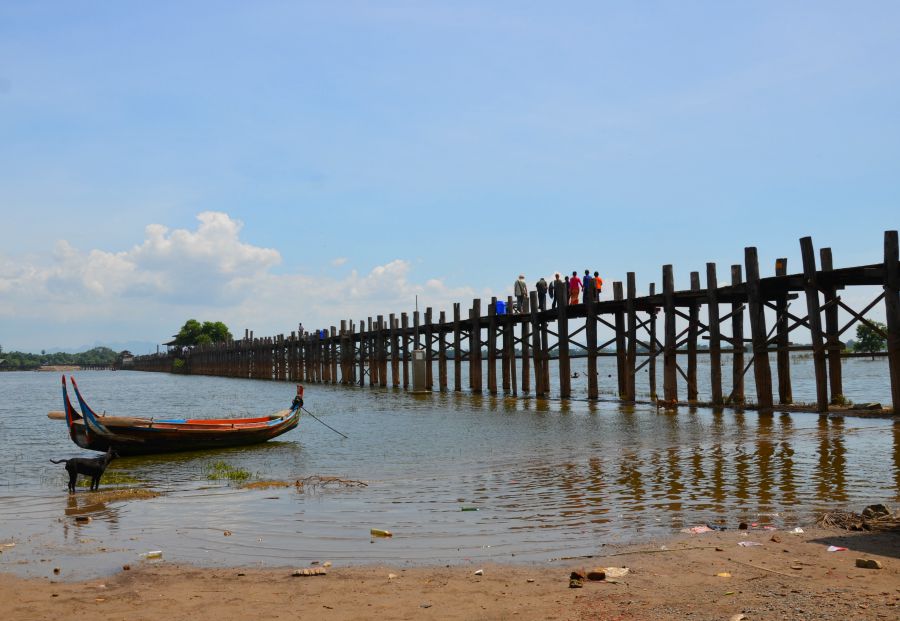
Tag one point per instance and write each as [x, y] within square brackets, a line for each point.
[208, 273]
[339, 261]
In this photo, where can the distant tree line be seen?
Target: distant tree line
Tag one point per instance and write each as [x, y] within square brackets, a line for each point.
[23, 361]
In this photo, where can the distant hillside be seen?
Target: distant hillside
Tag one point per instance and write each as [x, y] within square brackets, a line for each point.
[22, 361]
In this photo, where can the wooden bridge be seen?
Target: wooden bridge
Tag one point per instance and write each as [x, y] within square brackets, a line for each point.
[378, 351]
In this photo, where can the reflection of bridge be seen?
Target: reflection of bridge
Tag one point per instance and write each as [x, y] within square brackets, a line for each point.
[349, 354]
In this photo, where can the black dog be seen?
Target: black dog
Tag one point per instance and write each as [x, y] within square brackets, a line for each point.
[93, 468]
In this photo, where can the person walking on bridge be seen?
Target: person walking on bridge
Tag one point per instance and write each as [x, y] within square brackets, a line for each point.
[574, 288]
[554, 286]
[541, 287]
[520, 289]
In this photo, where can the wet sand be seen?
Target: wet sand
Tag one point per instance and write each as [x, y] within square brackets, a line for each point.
[791, 577]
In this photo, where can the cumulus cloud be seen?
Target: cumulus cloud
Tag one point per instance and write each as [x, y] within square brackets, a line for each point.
[210, 273]
[339, 261]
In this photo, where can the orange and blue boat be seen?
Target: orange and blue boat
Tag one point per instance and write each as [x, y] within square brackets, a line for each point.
[133, 435]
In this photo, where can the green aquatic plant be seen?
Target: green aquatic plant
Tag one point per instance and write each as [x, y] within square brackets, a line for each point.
[222, 470]
[111, 477]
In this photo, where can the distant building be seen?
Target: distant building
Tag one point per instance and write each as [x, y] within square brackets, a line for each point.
[125, 360]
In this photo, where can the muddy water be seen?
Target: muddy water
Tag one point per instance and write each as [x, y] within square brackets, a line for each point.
[548, 478]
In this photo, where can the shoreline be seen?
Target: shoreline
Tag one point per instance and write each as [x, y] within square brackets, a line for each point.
[702, 576]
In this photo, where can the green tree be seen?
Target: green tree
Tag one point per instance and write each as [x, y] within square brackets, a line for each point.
[195, 333]
[869, 340]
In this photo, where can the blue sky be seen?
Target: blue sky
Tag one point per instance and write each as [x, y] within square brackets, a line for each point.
[349, 156]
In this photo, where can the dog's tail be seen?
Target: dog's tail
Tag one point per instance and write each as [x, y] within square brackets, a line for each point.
[61, 461]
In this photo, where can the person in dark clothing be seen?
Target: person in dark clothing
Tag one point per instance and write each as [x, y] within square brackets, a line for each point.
[541, 288]
[554, 286]
[584, 284]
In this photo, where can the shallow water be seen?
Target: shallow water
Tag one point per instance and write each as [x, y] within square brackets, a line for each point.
[549, 478]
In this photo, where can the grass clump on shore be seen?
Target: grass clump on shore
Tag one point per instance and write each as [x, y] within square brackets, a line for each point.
[221, 470]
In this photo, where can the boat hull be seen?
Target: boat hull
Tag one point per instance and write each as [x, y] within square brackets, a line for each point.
[144, 436]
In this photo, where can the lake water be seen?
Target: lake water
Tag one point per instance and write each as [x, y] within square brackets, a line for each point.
[549, 478]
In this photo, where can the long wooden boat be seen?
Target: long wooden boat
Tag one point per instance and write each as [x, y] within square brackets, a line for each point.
[131, 435]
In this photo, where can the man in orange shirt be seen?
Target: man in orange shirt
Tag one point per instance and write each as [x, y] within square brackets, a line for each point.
[599, 283]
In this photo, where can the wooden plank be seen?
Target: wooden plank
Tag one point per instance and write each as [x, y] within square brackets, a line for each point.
[670, 373]
[457, 349]
[652, 350]
[815, 322]
[783, 355]
[762, 372]
[715, 344]
[693, 333]
[590, 325]
[442, 352]
[475, 347]
[621, 354]
[492, 347]
[892, 313]
[737, 336]
[507, 358]
[404, 349]
[526, 347]
[536, 345]
[631, 353]
[832, 342]
[562, 323]
[395, 352]
[429, 349]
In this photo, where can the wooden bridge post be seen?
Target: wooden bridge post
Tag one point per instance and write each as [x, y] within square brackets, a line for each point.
[526, 347]
[429, 348]
[334, 355]
[362, 352]
[715, 344]
[631, 354]
[492, 347]
[511, 344]
[475, 346]
[651, 366]
[833, 343]
[508, 357]
[344, 352]
[395, 352]
[442, 352]
[693, 332]
[545, 357]
[590, 335]
[737, 344]
[811, 286]
[536, 346]
[783, 355]
[372, 352]
[404, 337]
[670, 362]
[562, 327]
[457, 350]
[621, 353]
[762, 372]
[892, 313]
[383, 344]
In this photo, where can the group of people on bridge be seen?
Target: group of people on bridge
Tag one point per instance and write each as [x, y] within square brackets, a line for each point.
[575, 286]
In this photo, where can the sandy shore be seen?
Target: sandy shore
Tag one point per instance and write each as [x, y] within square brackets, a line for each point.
[790, 577]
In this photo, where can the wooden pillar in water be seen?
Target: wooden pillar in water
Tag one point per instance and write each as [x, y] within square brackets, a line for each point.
[507, 358]
[811, 287]
[334, 355]
[590, 336]
[545, 357]
[383, 334]
[737, 332]
[492, 347]
[404, 337]
[715, 344]
[429, 349]
[395, 352]
[536, 346]
[693, 332]
[631, 353]
[475, 346]
[762, 372]
[526, 346]
[833, 343]
[783, 355]
[442, 352]
[562, 327]
[670, 371]
[372, 351]
[621, 353]
[651, 366]
[363, 343]
[457, 350]
[892, 313]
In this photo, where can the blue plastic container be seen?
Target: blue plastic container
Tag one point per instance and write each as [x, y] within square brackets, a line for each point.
[501, 307]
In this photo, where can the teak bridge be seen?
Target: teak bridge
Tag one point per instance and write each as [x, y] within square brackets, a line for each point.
[354, 352]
